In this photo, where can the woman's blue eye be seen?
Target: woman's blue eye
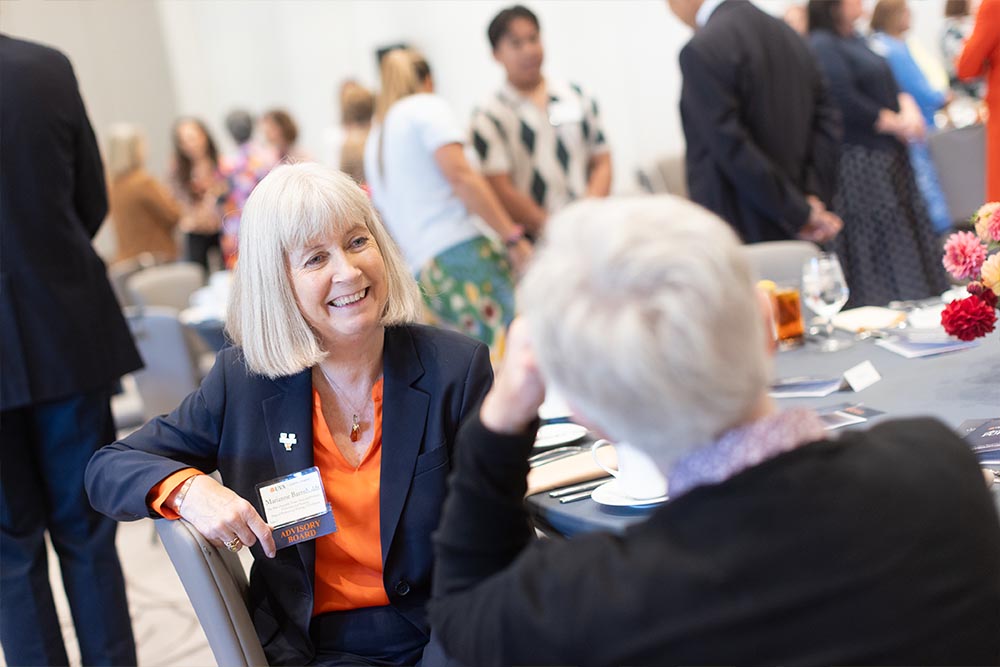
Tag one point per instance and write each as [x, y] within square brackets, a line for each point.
[314, 260]
[359, 242]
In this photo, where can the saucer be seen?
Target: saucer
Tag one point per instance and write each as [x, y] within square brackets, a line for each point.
[553, 435]
[609, 494]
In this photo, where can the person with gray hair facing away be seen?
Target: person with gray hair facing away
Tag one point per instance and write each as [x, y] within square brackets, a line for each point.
[778, 545]
[328, 381]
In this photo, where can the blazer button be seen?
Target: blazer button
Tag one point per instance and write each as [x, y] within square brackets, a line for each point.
[402, 588]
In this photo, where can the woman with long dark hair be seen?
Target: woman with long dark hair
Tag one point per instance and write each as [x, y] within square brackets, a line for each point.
[200, 187]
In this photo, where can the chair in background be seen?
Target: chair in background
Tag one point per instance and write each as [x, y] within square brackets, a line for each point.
[960, 158]
[168, 285]
[664, 175]
[216, 584]
[119, 272]
[780, 261]
[171, 367]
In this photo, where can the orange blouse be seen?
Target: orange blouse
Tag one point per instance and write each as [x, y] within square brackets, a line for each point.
[349, 560]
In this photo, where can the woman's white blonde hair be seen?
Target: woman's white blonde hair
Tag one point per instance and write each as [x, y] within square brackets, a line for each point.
[292, 207]
[402, 72]
[644, 316]
[124, 150]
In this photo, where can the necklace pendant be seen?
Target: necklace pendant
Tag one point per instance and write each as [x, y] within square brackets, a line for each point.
[355, 430]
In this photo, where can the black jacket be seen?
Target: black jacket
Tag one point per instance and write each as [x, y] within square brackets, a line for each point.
[761, 130]
[232, 423]
[882, 547]
[62, 330]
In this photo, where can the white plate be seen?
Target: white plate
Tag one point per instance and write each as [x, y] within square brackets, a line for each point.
[553, 435]
[610, 495]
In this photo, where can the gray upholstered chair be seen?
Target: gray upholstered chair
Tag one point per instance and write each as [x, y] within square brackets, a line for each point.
[780, 261]
[960, 158]
[168, 285]
[217, 587]
[170, 369]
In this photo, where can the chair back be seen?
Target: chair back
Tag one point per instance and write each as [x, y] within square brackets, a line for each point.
[217, 587]
[664, 175]
[780, 261]
[171, 370]
[123, 269]
[960, 159]
[169, 285]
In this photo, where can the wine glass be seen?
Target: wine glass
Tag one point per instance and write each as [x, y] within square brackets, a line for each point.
[825, 291]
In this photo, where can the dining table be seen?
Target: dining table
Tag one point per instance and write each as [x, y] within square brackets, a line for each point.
[952, 387]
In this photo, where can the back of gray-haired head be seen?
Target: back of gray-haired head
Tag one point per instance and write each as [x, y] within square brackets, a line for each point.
[239, 123]
[643, 314]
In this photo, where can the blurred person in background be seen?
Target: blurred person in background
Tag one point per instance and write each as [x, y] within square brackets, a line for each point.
[357, 107]
[762, 134]
[144, 214]
[795, 17]
[428, 193]
[243, 171]
[958, 23]
[281, 132]
[540, 140]
[981, 58]
[201, 189]
[64, 345]
[888, 247]
[890, 23]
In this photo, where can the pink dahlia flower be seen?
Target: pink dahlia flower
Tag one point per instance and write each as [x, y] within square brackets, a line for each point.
[964, 255]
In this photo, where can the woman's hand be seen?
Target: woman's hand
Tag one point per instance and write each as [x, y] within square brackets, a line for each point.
[513, 402]
[219, 515]
[520, 255]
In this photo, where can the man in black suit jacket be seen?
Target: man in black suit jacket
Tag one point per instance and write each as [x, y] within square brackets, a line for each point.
[762, 135]
[63, 346]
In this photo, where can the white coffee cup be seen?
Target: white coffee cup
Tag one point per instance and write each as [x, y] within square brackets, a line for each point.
[637, 475]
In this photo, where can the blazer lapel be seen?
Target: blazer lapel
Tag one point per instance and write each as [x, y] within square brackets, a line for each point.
[403, 418]
[288, 418]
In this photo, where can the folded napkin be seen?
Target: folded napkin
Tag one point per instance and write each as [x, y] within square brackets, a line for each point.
[868, 318]
[570, 470]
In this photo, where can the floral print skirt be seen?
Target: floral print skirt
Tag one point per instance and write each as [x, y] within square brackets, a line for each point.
[469, 288]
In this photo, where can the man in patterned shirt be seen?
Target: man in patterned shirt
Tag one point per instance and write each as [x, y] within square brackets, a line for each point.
[540, 142]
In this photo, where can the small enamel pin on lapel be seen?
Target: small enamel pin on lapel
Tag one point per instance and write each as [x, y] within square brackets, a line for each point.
[287, 439]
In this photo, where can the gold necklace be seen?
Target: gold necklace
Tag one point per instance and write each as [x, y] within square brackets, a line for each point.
[355, 416]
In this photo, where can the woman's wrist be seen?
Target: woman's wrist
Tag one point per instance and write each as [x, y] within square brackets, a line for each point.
[178, 499]
[515, 236]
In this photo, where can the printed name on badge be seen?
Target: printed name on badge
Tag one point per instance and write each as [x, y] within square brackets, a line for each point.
[295, 507]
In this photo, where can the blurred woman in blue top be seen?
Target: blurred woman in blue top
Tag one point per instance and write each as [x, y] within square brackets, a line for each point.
[890, 22]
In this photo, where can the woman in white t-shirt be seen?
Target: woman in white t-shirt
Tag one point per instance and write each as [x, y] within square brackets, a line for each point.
[427, 193]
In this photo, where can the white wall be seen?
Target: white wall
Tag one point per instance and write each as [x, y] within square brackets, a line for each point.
[148, 62]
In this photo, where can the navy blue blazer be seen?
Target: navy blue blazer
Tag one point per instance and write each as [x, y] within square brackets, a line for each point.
[432, 380]
[762, 131]
[62, 330]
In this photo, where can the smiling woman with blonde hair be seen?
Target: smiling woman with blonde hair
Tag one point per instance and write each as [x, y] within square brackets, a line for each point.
[327, 370]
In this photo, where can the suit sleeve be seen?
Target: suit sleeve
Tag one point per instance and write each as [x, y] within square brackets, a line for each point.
[713, 109]
[827, 134]
[982, 42]
[120, 475]
[502, 597]
[90, 194]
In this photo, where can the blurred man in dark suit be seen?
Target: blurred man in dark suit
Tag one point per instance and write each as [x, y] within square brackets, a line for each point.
[63, 346]
[762, 135]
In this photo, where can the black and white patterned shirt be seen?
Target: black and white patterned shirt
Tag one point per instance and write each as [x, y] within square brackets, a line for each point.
[545, 152]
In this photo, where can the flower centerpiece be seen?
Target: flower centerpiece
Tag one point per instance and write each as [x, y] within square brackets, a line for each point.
[973, 257]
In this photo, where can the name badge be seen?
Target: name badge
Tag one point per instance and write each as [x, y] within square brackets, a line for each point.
[296, 507]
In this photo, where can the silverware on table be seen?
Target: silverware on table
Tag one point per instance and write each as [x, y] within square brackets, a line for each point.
[577, 488]
[554, 455]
